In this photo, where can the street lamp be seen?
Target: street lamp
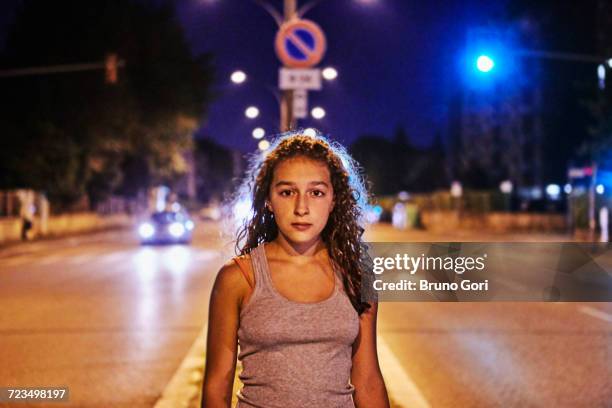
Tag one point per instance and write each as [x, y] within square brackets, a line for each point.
[263, 145]
[310, 132]
[258, 133]
[506, 187]
[238, 77]
[330, 73]
[318, 112]
[601, 75]
[251, 112]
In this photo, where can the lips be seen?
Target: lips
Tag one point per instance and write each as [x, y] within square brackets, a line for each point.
[301, 226]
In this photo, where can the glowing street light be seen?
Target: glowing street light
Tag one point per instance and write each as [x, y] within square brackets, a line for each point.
[318, 112]
[553, 191]
[330, 73]
[506, 186]
[258, 133]
[263, 145]
[484, 63]
[601, 75]
[310, 132]
[238, 77]
[251, 112]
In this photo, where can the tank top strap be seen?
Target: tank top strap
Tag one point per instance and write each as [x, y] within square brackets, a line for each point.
[338, 276]
[260, 268]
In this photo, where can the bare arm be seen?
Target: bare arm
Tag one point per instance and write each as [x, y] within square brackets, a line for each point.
[370, 390]
[222, 340]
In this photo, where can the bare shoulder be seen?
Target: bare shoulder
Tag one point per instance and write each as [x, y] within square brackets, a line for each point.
[231, 279]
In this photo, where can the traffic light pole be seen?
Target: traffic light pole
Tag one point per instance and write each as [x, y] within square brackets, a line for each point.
[57, 69]
[560, 56]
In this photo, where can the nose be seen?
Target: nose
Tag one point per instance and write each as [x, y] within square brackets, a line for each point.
[301, 205]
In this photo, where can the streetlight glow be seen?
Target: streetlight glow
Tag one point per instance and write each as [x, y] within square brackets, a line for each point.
[238, 77]
[601, 72]
[506, 186]
[310, 132]
[330, 73]
[258, 133]
[318, 112]
[251, 112]
[263, 145]
[484, 63]
[553, 190]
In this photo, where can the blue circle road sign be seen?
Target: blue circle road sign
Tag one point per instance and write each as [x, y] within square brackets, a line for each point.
[300, 43]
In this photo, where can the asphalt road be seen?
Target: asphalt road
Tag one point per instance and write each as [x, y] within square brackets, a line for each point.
[113, 320]
[108, 318]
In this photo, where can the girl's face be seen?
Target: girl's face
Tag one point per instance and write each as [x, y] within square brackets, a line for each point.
[301, 198]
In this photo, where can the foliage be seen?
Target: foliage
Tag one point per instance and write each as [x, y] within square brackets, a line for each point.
[395, 165]
[71, 133]
[215, 168]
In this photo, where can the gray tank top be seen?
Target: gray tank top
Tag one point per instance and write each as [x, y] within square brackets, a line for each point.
[295, 354]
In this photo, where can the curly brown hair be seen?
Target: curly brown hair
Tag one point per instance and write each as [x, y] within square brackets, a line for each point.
[343, 233]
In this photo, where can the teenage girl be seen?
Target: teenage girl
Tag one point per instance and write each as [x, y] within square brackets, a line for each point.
[289, 307]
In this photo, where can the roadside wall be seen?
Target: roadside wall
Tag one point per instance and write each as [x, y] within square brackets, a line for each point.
[58, 225]
[493, 221]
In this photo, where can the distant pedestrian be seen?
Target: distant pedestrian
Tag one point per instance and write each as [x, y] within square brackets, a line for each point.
[26, 226]
[289, 306]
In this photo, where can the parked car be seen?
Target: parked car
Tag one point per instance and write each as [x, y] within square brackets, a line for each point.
[165, 227]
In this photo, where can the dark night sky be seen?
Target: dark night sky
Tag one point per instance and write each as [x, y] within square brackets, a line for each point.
[397, 60]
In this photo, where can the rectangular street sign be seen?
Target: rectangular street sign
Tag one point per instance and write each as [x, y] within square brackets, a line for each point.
[300, 103]
[579, 172]
[299, 79]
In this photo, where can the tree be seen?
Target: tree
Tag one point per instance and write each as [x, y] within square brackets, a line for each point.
[568, 89]
[72, 133]
[396, 164]
[215, 169]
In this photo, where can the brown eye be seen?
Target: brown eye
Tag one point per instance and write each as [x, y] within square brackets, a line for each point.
[318, 193]
[285, 193]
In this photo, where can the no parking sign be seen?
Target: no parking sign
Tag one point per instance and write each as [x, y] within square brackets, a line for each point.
[300, 43]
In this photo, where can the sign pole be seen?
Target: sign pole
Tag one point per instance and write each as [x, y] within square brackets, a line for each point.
[287, 120]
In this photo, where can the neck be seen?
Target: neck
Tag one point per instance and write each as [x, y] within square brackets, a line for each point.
[310, 248]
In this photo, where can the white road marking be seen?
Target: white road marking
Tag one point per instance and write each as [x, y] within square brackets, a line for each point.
[186, 383]
[596, 313]
[400, 387]
[187, 380]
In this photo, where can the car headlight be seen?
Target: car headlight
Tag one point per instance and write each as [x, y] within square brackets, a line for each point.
[146, 230]
[176, 229]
